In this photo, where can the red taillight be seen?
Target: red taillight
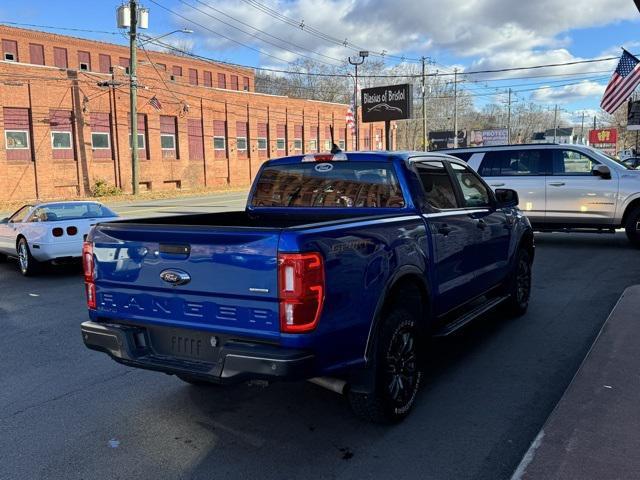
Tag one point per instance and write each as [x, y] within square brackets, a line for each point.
[71, 231]
[57, 232]
[88, 266]
[301, 291]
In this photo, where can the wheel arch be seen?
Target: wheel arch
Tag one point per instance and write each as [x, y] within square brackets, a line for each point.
[632, 204]
[527, 242]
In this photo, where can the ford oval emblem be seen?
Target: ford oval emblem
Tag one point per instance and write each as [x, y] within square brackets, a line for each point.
[323, 167]
[175, 277]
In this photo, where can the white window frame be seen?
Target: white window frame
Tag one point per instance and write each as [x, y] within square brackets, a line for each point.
[224, 141]
[238, 143]
[173, 137]
[141, 145]
[64, 132]
[9, 59]
[313, 145]
[281, 141]
[108, 141]
[6, 140]
[86, 65]
[327, 145]
[266, 144]
[297, 144]
[342, 144]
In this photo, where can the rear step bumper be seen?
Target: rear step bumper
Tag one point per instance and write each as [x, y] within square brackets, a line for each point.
[226, 362]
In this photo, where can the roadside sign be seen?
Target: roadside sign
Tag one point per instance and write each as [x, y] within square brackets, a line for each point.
[633, 117]
[490, 137]
[604, 139]
[383, 104]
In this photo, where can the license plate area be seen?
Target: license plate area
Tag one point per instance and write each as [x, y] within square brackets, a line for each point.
[186, 344]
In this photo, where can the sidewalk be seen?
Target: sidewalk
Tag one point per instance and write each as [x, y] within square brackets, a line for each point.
[594, 431]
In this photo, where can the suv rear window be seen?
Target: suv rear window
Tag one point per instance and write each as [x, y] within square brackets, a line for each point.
[513, 163]
[336, 184]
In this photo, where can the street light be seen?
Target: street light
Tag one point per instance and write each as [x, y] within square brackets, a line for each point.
[359, 61]
[151, 40]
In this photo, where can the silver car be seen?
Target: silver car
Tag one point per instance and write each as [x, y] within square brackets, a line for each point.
[563, 187]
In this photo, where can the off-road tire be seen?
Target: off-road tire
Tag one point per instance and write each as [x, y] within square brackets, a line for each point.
[518, 285]
[632, 227]
[398, 373]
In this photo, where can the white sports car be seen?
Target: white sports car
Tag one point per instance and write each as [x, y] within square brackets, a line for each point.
[52, 231]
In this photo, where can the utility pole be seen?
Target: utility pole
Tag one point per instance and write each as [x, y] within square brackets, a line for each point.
[555, 124]
[509, 118]
[455, 108]
[424, 107]
[133, 94]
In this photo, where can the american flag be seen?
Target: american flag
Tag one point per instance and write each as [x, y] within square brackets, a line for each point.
[155, 103]
[351, 122]
[622, 84]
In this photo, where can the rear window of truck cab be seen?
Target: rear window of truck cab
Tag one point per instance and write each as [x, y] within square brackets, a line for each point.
[329, 184]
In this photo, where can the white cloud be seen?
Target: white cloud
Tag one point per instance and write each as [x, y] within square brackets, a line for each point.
[569, 93]
[465, 27]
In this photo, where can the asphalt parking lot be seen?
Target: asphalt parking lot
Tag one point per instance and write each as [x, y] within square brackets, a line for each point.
[70, 413]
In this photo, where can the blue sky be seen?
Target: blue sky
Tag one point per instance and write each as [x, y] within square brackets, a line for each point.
[471, 35]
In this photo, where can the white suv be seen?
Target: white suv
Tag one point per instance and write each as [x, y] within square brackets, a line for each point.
[563, 187]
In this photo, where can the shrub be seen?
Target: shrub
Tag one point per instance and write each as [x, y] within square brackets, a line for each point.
[101, 188]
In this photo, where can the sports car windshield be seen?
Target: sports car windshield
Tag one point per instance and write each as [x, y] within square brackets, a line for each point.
[70, 211]
[336, 184]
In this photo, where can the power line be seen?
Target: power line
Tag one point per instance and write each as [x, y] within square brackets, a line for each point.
[50, 27]
[257, 30]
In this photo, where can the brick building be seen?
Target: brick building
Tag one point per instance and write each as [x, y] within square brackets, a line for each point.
[61, 131]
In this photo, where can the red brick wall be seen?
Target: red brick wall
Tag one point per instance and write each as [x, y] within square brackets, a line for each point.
[30, 93]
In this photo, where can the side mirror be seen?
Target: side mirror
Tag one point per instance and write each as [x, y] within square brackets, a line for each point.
[602, 171]
[507, 198]
[5, 220]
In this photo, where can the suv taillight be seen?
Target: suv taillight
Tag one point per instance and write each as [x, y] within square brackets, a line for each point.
[88, 266]
[301, 291]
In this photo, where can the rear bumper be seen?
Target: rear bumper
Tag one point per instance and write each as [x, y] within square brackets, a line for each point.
[50, 251]
[229, 361]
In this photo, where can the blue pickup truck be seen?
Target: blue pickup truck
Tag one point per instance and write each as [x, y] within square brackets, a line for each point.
[339, 271]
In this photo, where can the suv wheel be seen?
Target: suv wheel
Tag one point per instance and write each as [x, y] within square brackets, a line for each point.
[398, 373]
[518, 285]
[632, 227]
[28, 265]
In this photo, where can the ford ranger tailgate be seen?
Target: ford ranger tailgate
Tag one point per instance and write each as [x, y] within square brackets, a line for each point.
[222, 279]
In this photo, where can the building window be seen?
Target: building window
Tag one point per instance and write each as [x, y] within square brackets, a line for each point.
[327, 145]
[177, 71]
[234, 82]
[161, 66]
[341, 144]
[219, 143]
[16, 139]
[280, 143]
[262, 143]
[100, 141]
[140, 141]
[297, 144]
[222, 80]
[36, 54]
[60, 57]
[193, 76]
[167, 141]
[241, 143]
[10, 50]
[208, 79]
[84, 60]
[61, 140]
[245, 84]
[313, 145]
[104, 62]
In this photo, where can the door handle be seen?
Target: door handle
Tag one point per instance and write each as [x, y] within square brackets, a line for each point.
[497, 184]
[481, 224]
[556, 184]
[445, 229]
